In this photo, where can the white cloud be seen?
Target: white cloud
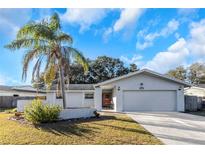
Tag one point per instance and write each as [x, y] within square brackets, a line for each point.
[127, 20]
[107, 34]
[182, 52]
[128, 17]
[44, 13]
[136, 59]
[12, 19]
[175, 55]
[148, 39]
[84, 17]
[197, 38]
[187, 11]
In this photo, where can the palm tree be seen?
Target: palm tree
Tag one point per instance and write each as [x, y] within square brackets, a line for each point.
[46, 43]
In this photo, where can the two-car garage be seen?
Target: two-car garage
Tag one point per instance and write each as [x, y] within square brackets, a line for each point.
[149, 100]
[143, 90]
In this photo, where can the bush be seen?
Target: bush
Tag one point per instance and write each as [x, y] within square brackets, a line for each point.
[37, 112]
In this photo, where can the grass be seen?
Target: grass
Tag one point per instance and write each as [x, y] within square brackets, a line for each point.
[109, 129]
[7, 110]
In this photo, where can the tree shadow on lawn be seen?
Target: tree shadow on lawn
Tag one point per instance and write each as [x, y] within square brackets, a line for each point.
[66, 128]
[76, 127]
[135, 130]
[81, 127]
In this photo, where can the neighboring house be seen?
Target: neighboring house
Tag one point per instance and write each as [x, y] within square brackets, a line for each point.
[16, 91]
[144, 90]
[10, 95]
[195, 90]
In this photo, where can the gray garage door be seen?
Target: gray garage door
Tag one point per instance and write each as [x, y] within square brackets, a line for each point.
[149, 100]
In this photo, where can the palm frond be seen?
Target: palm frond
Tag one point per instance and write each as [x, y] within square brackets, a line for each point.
[55, 22]
[63, 37]
[35, 30]
[50, 75]
[36, 69]
[28, 57]
[26, 43]
[78, 56]
[50, 60]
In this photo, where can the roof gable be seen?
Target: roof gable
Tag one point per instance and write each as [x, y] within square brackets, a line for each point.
[147, 72]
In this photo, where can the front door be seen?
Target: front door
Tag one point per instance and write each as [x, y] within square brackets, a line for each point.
[107, 101]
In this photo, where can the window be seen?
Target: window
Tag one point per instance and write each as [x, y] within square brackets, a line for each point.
[89, 96]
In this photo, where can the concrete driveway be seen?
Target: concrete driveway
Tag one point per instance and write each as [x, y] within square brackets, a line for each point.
[173, 127]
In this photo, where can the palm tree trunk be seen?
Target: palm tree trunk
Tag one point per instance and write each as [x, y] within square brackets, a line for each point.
[62, 86]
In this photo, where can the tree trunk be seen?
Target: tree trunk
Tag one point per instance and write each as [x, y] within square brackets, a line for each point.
[62, 86]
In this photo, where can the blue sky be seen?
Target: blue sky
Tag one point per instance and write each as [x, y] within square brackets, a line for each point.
[158, 39]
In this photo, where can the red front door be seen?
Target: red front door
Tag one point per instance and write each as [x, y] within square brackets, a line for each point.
[106, 99]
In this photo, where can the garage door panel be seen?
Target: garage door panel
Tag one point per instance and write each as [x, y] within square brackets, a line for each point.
[149, 100]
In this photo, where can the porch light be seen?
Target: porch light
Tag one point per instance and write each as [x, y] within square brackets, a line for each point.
[118, 88]
[180, 87]
[141, 86]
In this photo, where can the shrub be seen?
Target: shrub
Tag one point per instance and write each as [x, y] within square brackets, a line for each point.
[37, 112]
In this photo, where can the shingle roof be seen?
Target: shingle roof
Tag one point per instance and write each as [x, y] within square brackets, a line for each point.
[76, 87]
[2, 87]
[24, 88]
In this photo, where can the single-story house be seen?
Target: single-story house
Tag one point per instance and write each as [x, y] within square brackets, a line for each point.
[20, 91]
[198, 91]
[144, 90]
[9, 95]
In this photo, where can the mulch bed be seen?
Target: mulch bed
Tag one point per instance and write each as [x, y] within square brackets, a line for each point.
[19, 118]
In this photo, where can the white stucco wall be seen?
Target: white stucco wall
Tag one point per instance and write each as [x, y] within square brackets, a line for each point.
[114, 97]
[98, 98]
[149, 83]
[77, 113]
[74, 99]
[21, 104]
[64, 114]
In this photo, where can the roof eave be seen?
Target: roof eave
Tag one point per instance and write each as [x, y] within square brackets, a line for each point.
[141, 71]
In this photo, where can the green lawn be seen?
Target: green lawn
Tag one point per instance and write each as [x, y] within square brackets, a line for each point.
[7, 110]
[109, 129]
